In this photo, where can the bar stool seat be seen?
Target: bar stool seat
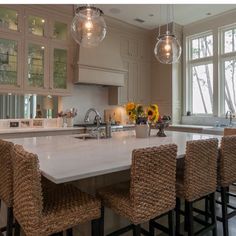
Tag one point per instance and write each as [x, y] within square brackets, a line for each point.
[117, 198]
[69, 206]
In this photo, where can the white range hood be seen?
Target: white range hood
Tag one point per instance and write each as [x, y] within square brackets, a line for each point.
[102, 65]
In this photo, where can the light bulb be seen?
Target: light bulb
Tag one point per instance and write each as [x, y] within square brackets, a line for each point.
[167, 47]
[88, 25]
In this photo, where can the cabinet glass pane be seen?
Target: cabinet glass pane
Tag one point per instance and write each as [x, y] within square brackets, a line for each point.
[60, 31]
[8, 62]
[8, 18]
[36, 25]
[35, 65]
[60, 68]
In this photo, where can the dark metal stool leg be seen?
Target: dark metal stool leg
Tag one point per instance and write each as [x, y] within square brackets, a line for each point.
[224, 211]
[185, 217]
[69, 232]
[101, 222]
[171, 223]
[9, 221]
[95, 227]
[17, 229]
[227, 196]
[177, 216]
[151, 228]
[207, 208]
[213, 213]
[137, 230]
[189, 215]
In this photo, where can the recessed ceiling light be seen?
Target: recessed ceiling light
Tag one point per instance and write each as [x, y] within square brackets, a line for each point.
[139, 20]
[115, 10]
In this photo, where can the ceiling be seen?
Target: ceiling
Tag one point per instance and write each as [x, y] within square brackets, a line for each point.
[152, 14]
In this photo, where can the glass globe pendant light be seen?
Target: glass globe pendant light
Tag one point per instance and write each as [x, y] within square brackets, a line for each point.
[167, 49]
[88, 27]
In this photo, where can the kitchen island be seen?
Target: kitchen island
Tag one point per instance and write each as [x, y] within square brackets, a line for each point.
[68, 158]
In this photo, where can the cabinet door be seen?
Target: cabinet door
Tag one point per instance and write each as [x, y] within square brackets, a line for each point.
[59, 69]
[123, 91]
[124, 46]
[10, 19]
[36, 25]
[10, 69]
[59, 31]
[144, 83]
[37, 66]
[144, 50]
[133, 48]
[129, 47]
[133, 81]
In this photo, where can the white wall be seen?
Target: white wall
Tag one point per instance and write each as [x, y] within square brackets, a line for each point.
[84, 97]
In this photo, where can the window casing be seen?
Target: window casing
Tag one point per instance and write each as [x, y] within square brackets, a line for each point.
[200, 73]
[220, 61]
[227, 65]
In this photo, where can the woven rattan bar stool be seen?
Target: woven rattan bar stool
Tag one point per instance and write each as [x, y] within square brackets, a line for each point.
[226, 177]
[195, 181]
[150, 192]
[42, 212]
[6, 183]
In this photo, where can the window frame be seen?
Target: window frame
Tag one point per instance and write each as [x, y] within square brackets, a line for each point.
[195, 62]
[222, 56]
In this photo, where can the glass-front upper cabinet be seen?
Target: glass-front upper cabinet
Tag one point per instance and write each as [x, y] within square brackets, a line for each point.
[36, 65]
[9, 66]
[60, 31]
[36, 25]
[8, 19]
[60, 70]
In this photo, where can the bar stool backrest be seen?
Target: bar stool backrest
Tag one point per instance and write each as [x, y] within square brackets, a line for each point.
[153, 177]
[229, 131]
[28, 202]
[6, 173]
[200, 168]
[227, 161]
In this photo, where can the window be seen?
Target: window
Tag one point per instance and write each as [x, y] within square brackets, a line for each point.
[228, 65]
[200, 74]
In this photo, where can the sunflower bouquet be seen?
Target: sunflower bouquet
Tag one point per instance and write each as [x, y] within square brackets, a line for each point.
[141, 115]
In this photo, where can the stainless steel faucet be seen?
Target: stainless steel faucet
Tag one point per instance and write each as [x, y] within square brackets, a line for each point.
[230, 116]
[97, 118]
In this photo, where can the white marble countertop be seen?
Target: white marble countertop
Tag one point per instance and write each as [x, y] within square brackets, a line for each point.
[65, 158]
[45, 129]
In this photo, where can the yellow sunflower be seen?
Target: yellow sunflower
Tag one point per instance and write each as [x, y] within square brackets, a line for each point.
[130, 106]
[153, 113]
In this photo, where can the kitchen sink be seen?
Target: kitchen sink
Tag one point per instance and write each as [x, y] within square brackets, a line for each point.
[89, 137]
[89, 125]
